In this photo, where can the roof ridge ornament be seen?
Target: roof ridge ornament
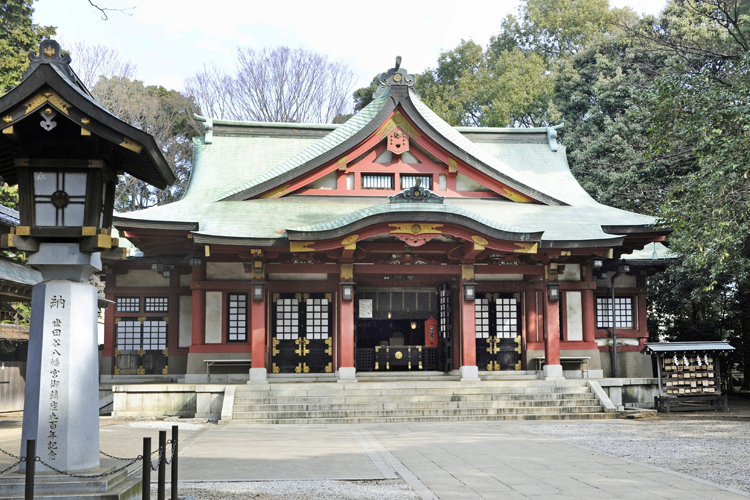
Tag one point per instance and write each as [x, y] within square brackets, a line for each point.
[416, 194]
[396, 76]
[51, 53]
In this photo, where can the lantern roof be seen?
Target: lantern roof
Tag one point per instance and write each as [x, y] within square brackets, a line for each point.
[51, 84]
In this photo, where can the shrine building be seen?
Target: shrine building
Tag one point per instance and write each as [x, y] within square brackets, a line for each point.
[392, 242]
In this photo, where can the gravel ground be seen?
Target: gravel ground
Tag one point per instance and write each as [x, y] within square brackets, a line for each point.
[713, 450]
[295, 490]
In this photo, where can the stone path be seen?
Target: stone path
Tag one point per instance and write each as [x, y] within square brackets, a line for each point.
[449, 460]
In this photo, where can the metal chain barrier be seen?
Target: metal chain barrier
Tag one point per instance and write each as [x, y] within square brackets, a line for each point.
[22, 459]
[10, 454]
[174, 450]
[89, 476]
[116, 458]
[158, 460]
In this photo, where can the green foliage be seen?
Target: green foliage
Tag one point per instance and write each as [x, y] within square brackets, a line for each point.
[18, 36]
[165, 114]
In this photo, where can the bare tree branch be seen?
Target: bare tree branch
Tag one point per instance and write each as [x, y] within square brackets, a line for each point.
[103, 10]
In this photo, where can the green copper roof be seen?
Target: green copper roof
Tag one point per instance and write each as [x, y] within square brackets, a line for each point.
[338, 136]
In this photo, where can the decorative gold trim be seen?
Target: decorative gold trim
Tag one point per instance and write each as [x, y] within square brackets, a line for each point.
[88, 231]
[132, 145]
[165, 319]
[274, 343]
[165, 371]
[329, 368]
[416, 228]
[276, 369]
[23, 230]
[301, 246]
[85, 120]
[467, 271]
[117, 352]
[329, 297]
[397, 120]
[517, 197]
[518, 365]
[165, 351]
[276, 296]
[7, 118]
[84, 132]
[398, 355]
[8, 130]
[277, 193]
[117, 320]
[142, 319]
[342, 161]
[480, 241]
[141, 352]
[377, 365]
[518, 347]
[116, 371]
[49, 51]
[526, 247]
[329, 343]
[38, 101]
[347, 272]
[352, 238]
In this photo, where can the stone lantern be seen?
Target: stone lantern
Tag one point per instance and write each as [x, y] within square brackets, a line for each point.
[65, 152]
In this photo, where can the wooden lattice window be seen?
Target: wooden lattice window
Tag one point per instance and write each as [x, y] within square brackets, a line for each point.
[149, 334]
[377, 181]
[237, 327]
[507, 318]
[317, 319]
[287, 319]
[128, 304]
[482, 318]
[623, 312]
[157, 304]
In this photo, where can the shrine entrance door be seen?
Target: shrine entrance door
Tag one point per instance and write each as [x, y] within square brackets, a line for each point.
[498, 331]
[302, 337]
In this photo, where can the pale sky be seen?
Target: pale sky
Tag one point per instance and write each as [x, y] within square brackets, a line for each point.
[170, 40]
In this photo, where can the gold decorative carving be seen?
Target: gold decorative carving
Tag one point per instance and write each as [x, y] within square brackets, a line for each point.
[51, 97]
[302, 368]
[301, 246]
[117, 320]
[88, 231]
[493, 366]
[329, 297]
[342, 161]
[518, 347]
[49, 51]
[117, 371]
[8, 130]
[298, 296]
[347, 272]
[276, 296]
[7, 119]
[23, 230]
[34, 103]
[165, 319]
[85, 120]
[377, 365]
[352, 238]
[302, 342]
[416, 228]
[275, 343]
[277, 193]
[397, 77]
[517, 197]
[85, 132]
[526, 247]
[132, 145]
[141, 352]
[480, 241]
[165, 371]
[397, 120]
[165, 351]
[329, 368]
[305, 296]
[117, 352]
[329, 343]
[142, 319]
[467, 271]
[493, 348]
[276, 368]
[518, 365]
[398, 355]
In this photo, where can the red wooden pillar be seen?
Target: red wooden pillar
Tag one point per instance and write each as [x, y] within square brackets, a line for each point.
[258, 333]
[588, 316]
[346, 337]
[469, 370]
[552, 367]
[532, 329]
[199, 306]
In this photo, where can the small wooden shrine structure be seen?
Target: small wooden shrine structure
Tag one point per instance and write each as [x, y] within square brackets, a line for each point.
[689, 375]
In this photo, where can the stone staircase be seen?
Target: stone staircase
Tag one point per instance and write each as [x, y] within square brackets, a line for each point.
[414, 401]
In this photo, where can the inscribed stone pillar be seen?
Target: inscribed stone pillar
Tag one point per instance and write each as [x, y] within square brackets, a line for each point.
[61, 411]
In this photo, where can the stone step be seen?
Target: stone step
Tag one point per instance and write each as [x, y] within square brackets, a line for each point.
[318, 392]
[401, 419]
[356, 399]
[284, 407]
[353, 413]
[55, 485]
[410, 384]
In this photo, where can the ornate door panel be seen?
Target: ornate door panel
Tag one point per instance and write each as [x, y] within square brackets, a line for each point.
[444, 326]
[498, 330]
[141, 346]
[302, 335]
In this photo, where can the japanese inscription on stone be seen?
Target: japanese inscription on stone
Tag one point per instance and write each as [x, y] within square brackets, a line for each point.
[56, 303]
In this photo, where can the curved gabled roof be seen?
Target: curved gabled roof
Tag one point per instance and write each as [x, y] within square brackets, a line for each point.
[50, 73]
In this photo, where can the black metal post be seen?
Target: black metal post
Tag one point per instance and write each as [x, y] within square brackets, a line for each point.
[30, 464]
[146, 481]
[162, 474]
[175, 436]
